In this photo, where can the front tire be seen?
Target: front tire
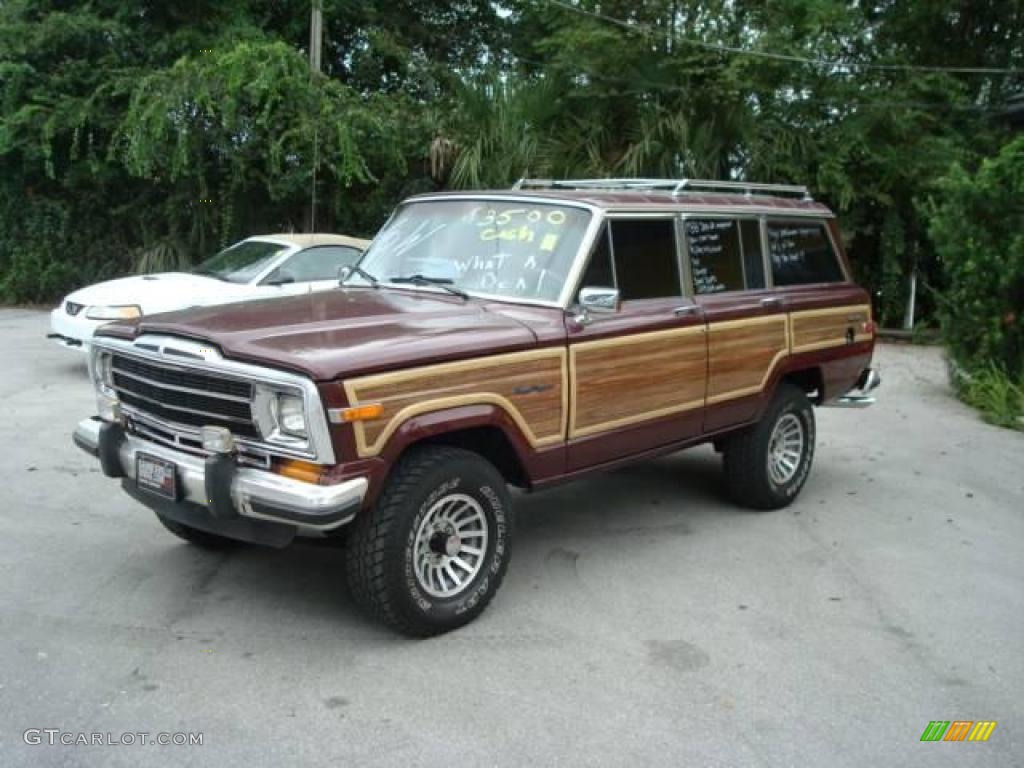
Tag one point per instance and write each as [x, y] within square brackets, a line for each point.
[432, 552]
[767, 465]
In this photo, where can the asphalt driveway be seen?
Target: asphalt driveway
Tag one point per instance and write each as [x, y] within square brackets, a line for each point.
[644, 620]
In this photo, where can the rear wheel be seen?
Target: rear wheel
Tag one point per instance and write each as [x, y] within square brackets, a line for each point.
[767, 465]
[432, 552]
[196, 536]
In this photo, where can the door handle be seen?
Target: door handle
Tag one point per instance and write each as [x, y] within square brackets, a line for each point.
[685, 310]
[771, 301]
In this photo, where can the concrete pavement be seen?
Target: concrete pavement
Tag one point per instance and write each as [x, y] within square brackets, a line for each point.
[644, 620]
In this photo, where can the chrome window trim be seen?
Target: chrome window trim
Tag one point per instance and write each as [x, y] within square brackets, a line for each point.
[606, 229]
[769, 278]
[208, 360]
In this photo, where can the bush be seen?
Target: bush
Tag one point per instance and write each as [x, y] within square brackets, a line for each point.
[991, 391]
[978, 231]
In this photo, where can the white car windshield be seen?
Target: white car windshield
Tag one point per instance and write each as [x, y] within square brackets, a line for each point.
[242, 262]
[505, 248]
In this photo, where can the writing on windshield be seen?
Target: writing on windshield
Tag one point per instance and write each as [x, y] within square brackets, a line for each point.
[499, 248]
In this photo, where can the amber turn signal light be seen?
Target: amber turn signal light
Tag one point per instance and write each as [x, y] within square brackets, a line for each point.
[305, 471]
[356, 413]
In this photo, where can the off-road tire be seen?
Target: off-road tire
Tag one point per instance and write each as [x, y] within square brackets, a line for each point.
[381, 560]
[195, 536]
[746, 455]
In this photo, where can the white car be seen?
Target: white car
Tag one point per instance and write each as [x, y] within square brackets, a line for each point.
[255, 268]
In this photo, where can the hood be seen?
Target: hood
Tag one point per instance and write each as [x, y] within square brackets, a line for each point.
[160, 292]
[343, 332]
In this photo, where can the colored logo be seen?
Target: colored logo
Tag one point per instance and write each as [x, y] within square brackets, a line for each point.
[958, 730]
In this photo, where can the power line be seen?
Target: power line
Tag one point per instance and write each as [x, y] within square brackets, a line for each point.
[638, 27]
[796, 102]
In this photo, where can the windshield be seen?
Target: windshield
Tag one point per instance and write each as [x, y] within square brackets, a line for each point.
[509, 248]
[242, 262]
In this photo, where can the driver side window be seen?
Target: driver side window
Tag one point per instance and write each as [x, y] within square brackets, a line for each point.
[637, 256]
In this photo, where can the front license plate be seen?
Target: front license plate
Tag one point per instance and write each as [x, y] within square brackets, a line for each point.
[156, 476]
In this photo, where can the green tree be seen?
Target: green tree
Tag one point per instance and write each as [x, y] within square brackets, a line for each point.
[977, 225]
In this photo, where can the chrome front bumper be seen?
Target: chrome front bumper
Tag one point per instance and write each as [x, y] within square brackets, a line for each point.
[255, 494]
[860, 396]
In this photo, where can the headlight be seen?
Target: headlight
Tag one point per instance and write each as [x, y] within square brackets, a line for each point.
[118, 312]
[280, 415]
[99, 367]
[290, 415]
[107, 403]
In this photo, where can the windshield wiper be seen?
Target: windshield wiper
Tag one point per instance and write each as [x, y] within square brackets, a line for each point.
[441, 282]
[355, 269]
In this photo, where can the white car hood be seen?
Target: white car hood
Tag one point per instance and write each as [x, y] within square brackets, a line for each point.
[163, 292]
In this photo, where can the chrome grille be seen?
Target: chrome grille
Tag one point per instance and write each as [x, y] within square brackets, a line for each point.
[188, 441]
[183, 397]
[169, 387]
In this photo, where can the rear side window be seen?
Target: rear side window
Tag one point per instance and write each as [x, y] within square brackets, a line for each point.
[644, 251]
[716, 256]
[801, 253]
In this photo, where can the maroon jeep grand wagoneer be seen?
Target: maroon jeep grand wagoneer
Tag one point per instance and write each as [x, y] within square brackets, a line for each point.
[522, 337]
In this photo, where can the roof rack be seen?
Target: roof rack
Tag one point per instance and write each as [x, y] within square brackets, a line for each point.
[675, 186]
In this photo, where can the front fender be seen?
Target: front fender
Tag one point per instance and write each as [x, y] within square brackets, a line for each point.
[434, 423]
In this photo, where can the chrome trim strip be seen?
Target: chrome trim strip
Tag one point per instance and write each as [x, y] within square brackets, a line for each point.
[321, 448]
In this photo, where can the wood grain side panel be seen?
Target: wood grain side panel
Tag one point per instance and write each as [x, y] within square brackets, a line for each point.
[822, 328]
[630, 379]
[529, 386]
[742, 354]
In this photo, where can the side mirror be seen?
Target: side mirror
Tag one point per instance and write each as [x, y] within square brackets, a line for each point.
[281, 279]
[600, 301]
[343, 273]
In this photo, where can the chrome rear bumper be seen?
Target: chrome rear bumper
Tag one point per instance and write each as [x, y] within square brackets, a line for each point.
[860, 396]
[257, 494]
